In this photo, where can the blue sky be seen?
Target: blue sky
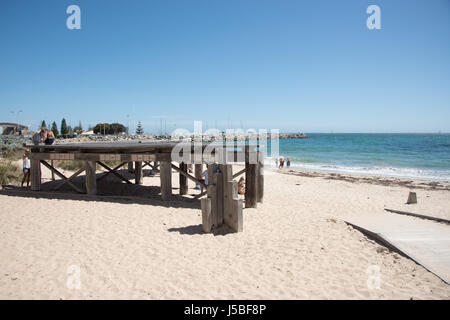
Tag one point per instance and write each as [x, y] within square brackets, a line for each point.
[310, 66]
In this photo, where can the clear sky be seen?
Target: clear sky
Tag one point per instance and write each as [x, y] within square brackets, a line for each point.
[310, 66]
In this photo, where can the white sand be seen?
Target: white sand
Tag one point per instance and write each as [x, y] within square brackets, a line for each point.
[294, 246]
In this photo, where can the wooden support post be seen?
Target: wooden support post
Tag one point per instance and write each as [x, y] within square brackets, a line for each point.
[206, 215]
[251, 185]
[165, 175]
[218, 182]
[130, 167]
[183, 179]
[91, 181]
[53, 174]
[227, 176]
[198, 170]
[212, 192]
[233, 216]
[35, 174]
[237, 219]
[260, 194]
[138, 174]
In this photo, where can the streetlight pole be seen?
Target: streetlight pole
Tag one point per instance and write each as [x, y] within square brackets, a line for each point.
[128, 125]
[17, 122]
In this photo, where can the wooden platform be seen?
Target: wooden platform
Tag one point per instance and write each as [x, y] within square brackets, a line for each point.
[424, 241]
[138, 154]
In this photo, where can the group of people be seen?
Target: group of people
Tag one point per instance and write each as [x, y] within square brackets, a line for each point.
[45, 136]
[279, 163]
[42, 136]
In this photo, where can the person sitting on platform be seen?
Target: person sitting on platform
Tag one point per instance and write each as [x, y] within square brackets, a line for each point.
[49, 137]
[37, 138]
[44, 135]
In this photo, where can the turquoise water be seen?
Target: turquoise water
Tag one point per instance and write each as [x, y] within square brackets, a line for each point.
[425, 156]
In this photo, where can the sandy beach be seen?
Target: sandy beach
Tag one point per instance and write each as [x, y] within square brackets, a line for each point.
[295, 245]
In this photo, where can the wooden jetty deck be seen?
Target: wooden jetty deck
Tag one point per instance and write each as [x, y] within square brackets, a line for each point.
[221, 204]
[424, 241]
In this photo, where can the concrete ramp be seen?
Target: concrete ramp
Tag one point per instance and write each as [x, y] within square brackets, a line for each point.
[424, 241]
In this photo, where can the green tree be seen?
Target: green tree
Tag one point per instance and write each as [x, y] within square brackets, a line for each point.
[55, 129]
[102, 128]
[107, 128]
[78, 129]
[139, 129]
[64, 129]
[43, 124]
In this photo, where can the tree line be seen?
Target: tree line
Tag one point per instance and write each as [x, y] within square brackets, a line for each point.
[64, 130]
[100, 128]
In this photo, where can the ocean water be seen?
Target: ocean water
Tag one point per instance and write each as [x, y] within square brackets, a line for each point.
[423, 156]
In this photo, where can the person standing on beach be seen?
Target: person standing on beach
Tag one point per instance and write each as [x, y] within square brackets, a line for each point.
[288, 163]
[26, 167]
[276, 162]
[281, 163]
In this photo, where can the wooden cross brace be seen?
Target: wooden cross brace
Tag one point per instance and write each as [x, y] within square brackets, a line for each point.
[65, 179]
[113, 171]
[237, 174]
[146, 163]
[187, 175]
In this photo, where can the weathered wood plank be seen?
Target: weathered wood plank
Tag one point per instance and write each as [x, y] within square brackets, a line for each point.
[206, 215]
[91, 181]
[53, 165]
[59, 174]
[165, 175]
[187, 175]
[227, 176]
[35, 172]
[138, 174]
[237, 219]
[198, 170]
[260, 180]
[237, 174]
[130, 167]
[218, 181]
[77, 173]
[251, 185]
[113, 171]
[233, 215]
[212, 193]
[183, 178]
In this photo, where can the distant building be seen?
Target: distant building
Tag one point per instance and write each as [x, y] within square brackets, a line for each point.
[8, 128]
[87, 133]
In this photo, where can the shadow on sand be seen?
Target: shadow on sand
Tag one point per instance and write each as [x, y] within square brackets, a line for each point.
[109, 189]
[197, 230]
[113, 189]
